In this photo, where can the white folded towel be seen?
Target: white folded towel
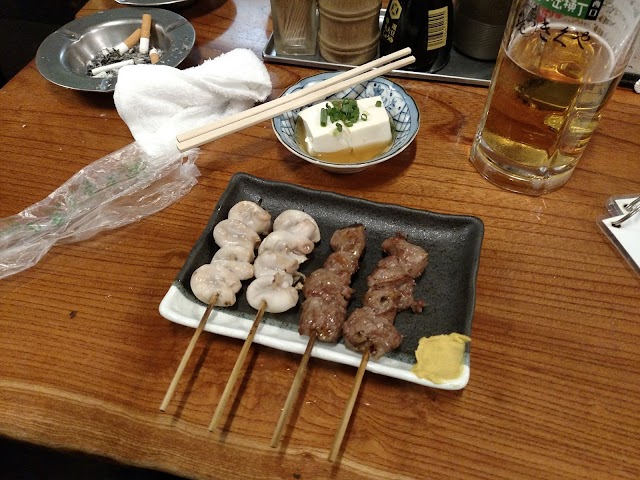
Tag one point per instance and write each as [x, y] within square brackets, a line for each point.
[158, 102]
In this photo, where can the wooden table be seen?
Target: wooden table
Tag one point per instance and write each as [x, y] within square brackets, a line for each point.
[85, 357]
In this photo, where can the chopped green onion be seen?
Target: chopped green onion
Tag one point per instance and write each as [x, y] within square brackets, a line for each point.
[345, 111]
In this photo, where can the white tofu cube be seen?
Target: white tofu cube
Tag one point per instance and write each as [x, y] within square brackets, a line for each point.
[375, 130]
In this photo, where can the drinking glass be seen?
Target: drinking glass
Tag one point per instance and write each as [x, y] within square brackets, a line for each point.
[558, 65]
[295, 26]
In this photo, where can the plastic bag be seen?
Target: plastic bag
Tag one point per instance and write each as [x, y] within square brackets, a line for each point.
[118, 189]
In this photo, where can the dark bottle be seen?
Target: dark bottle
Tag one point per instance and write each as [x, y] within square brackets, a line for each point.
[424, 25]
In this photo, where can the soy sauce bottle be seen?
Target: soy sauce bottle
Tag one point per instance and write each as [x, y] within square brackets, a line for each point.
[424, 25]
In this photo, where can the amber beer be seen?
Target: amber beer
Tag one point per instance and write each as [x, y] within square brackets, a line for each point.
[549, 87]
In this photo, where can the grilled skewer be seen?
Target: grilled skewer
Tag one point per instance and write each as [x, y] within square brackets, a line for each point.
[370, 329]
[324, 310]
[390, 290]
[293, 237]
[218, 282]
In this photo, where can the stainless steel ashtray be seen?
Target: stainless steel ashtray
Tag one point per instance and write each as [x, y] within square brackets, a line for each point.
[63, 56]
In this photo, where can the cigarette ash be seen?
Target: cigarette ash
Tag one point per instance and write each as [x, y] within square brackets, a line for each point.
[113, 56]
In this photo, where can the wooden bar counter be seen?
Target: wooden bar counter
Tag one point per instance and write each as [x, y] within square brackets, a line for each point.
[86, 358]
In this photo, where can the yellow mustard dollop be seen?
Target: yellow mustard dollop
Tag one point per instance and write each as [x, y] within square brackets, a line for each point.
[440, 357]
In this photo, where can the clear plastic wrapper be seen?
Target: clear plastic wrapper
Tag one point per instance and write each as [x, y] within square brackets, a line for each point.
[118, 189]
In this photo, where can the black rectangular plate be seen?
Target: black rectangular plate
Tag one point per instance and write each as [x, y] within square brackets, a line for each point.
[447, 285]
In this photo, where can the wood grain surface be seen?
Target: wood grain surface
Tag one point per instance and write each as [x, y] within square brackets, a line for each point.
[85, 357]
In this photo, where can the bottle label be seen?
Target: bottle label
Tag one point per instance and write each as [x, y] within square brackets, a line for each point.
[390, 26]
[438, 22]
[585, 9]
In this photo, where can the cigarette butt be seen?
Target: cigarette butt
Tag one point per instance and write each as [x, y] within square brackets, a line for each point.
[132, 39]
[113, 66]
[128, 42]
[146, 25]
[153, 55]
[145, 33]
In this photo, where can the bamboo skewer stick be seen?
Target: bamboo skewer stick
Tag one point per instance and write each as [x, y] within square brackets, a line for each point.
[346, 416]
[187, 354]
[293, 392]
[266, 111]
[235, 373]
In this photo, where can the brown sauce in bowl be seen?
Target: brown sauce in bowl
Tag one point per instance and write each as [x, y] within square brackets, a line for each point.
[354, 155]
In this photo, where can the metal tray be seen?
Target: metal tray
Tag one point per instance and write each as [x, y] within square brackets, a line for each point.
[460, 69]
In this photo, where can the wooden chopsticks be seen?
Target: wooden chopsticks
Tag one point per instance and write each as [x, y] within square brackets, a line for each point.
[233, 123]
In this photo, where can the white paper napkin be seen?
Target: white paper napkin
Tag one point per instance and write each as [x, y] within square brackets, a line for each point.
[626, 237]
[158, 102]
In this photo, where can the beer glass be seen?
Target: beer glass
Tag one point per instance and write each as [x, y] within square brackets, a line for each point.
[559, 63]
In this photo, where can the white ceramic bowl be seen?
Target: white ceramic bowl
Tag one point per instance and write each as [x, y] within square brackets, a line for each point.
[398, 103]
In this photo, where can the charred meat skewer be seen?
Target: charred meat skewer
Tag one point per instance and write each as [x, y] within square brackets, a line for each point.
[324, 310]
[370, 329]
[327, 291]
[391, 290]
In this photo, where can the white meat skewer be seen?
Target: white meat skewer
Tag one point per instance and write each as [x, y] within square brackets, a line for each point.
[279, 256]
[218, 282]
[293, 238]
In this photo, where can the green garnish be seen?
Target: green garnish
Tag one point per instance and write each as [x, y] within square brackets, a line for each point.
[345, 110]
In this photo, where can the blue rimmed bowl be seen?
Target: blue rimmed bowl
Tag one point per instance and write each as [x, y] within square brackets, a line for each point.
[401, 108]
